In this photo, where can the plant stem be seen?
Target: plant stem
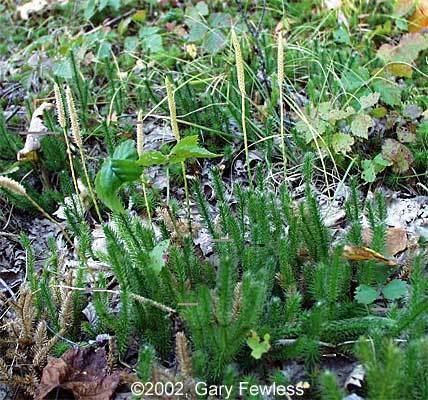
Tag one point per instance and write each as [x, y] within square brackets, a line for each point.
[146, 200]
[186, 192]
[244, 133]
[88, 181]
[73, 173]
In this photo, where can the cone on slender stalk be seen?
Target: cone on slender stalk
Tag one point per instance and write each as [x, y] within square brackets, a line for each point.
[62, 123]
[140, 150]
[75, 130]
[280, 75]
[17, 188]
[175, 131]
[241, 85]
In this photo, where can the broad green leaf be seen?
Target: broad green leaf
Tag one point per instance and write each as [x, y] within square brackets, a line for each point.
[395, 289]
[353, 80]
[131, 43]
[258, 346]
[63, 69]
[157, 256]
[360, 125]
[89, 9]
[372, 167]
[153, 43]
[152, 157]
[341, 35]
[381, 162]
[214, 41]
[202, 8]
[368, 173]
[342, 142]
[365, 294]
[188, 148]
[390, 92]
[126, 170]
[108, 182]
[328, 113]
[369, 100]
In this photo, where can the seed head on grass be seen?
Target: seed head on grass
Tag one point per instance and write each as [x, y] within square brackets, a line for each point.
[75, 130]
[17, 188]
[13, 186]
[59, 106]
[280, 61]
[74, 120]
[172, 108]
[239, 63]
[62, 122]
[241, 85]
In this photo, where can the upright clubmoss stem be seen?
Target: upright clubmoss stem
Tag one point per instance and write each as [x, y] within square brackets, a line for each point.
[241, 85]
[75, 129]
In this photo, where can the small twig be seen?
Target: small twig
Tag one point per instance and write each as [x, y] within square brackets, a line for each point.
[7, 287]
[136, 297]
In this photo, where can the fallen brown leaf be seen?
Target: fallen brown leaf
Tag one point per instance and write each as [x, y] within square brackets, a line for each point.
[82, 371]
[396, 240]
[357, 253]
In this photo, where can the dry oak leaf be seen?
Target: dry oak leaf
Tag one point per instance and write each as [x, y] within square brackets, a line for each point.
[82, 371]
[32, 141]
[396, 240]
[360, 253]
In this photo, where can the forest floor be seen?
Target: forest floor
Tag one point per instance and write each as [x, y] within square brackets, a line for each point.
[213, 193]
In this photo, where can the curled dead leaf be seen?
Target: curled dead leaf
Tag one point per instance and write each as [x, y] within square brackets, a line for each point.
[82, 371]
[36, 6]
[360, 253]
[32, 141]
